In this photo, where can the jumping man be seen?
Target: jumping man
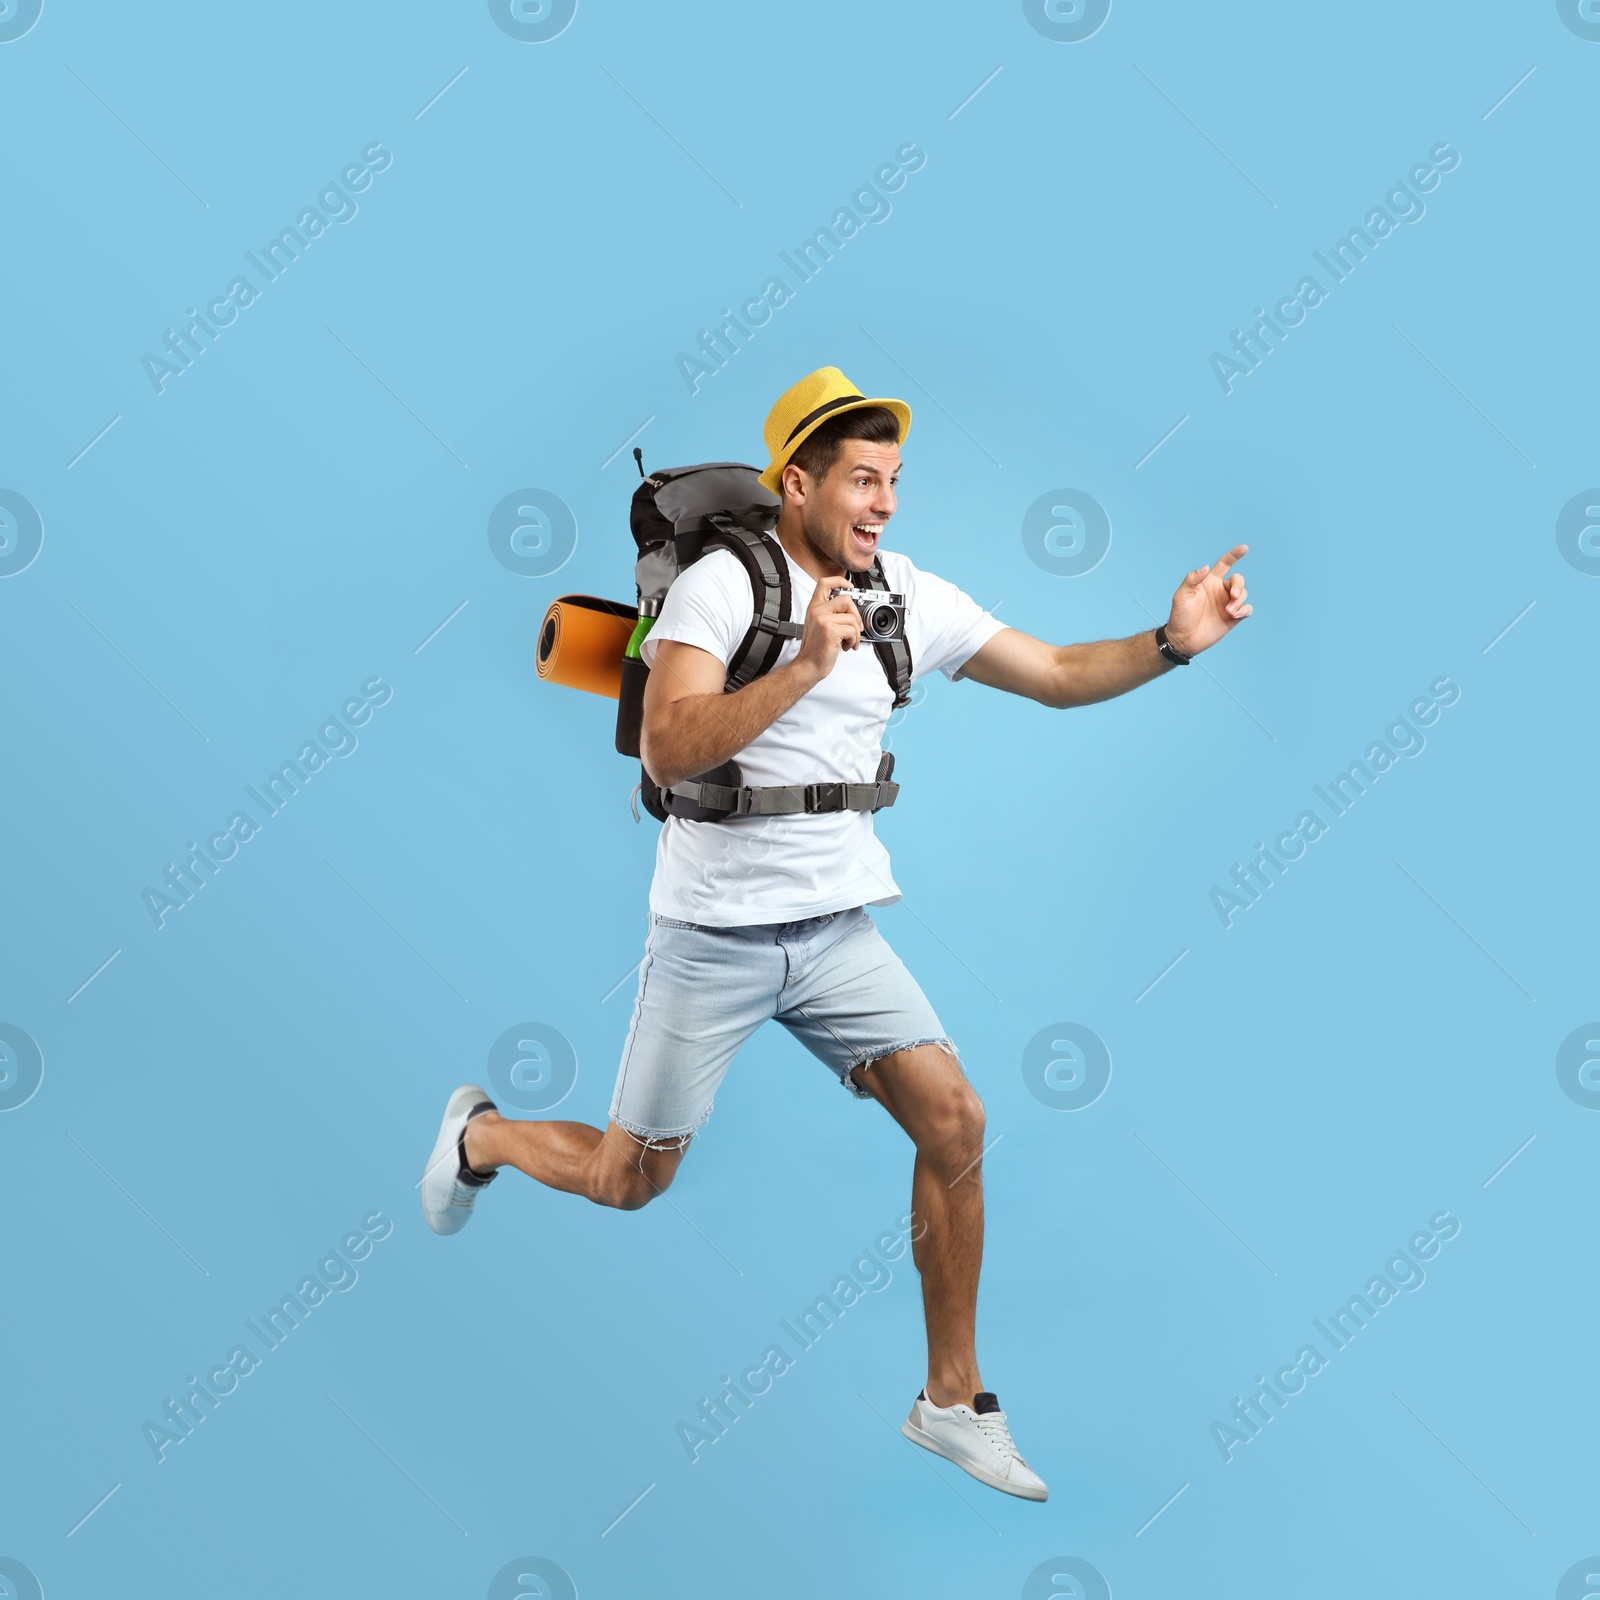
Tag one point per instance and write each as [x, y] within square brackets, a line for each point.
[764, 916]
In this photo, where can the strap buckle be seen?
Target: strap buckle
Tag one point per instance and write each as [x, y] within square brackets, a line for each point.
[781, 630]
[824, 797]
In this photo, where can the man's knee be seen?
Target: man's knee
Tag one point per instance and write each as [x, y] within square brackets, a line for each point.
[625, 1191]
[955, 1124]
[629, 1178]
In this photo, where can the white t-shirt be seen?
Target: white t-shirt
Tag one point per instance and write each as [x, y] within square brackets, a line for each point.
[751, 870]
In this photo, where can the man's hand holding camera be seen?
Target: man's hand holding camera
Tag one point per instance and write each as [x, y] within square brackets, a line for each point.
[832, 624]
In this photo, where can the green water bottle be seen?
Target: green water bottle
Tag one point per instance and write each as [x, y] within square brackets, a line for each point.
[648, 611]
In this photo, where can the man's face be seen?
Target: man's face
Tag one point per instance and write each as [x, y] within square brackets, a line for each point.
[843, 516]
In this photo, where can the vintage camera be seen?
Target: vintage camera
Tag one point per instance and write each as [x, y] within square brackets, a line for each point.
[883, 616]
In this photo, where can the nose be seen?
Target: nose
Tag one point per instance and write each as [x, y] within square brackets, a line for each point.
[883, 503]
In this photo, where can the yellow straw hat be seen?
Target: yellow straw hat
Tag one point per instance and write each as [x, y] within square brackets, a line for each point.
[800, 411]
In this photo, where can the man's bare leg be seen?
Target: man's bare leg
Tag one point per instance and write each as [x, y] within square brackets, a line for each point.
[926, 1092]
[610, 1166]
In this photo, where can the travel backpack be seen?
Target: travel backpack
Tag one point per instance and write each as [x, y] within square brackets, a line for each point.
[677, 515]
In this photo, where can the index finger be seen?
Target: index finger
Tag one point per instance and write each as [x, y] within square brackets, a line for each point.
[1223, 562]
[843, 603]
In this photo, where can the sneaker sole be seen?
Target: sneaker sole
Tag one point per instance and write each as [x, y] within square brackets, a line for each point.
[444, 1147]
[918, 1436]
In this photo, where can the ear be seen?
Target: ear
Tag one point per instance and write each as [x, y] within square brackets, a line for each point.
[793, 483]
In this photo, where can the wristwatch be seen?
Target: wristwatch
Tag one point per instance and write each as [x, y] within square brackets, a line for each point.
[1169, 649]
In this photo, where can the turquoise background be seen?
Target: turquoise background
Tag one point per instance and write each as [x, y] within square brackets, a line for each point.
[307, 508]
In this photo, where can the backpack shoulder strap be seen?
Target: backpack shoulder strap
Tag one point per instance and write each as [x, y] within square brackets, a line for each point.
[770, 627]
[893, 654]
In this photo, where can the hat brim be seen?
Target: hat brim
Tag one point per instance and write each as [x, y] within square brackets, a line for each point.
[772, 478]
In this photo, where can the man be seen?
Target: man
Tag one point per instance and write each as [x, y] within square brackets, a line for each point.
[764, 916]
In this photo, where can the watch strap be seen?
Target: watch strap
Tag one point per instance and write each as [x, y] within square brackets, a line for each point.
[1169, 649]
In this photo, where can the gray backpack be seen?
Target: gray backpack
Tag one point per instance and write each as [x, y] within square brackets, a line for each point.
[677, 515]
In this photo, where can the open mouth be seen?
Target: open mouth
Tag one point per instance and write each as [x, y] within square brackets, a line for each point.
[866, 535]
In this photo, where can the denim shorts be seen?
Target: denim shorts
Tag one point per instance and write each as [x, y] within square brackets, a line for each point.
[832, 981]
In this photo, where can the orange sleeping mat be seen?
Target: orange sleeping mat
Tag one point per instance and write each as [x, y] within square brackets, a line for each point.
[582, 640]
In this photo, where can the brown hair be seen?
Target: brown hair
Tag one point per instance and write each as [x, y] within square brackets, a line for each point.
[819, 454]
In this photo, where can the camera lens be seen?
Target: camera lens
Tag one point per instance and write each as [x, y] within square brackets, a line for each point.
[883, 620]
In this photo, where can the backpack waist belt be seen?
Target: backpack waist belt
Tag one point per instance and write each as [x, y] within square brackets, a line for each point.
[789, 799]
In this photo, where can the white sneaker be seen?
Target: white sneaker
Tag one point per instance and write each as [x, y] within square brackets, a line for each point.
[449, 1187]
[977, 1439]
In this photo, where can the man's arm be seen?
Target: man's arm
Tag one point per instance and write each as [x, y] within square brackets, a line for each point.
[1209, 603]
[691, 726]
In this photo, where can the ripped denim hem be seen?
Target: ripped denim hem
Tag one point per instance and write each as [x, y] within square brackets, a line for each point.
[868, 1058]
[661, 1138]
